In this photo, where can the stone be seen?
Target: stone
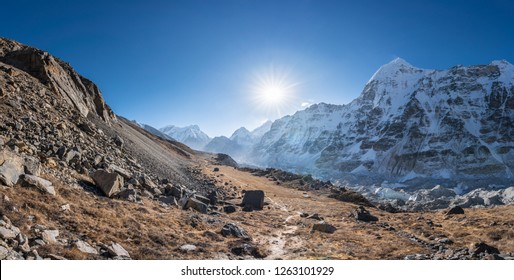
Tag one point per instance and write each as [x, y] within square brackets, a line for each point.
[170, 200]
[148, 183]
[187, 248]
[65, 207]
[229, 209]
[10, 172]
[213, 197]
[456, 210]
[234, 230]
[123, 172]
[216, 169]
[117, 250]
[85, 247]
[32, 166]
[481, 247]
[361, 214]
[49, 236]
[324, 227]
[72, 156]
[118, 141]
[4, 252]
[203, 199]
[196, 205]
[176, 191]
[315, 216]
[127, 194]
[254, 198]
[110, 183]
[6, 233]
[39, 183]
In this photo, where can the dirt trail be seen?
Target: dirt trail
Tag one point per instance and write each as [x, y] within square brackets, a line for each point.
[281, 230]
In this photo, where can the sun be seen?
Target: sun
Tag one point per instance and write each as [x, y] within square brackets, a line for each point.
[273, 90]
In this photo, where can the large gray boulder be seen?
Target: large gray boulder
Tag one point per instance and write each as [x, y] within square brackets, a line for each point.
[254, 199]
[324, 227]
[109, 183]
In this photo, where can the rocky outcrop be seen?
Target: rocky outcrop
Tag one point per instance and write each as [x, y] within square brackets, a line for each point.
[58, 77]
[109, 183]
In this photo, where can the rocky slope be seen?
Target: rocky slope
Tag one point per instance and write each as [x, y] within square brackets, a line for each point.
[410, 126]
[78, 182]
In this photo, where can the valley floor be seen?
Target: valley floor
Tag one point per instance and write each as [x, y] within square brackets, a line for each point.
[150, 230]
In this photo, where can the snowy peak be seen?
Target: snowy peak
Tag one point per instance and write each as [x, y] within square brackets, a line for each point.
[190, 135]
[242, 136]
[261, 130]
[397, 67]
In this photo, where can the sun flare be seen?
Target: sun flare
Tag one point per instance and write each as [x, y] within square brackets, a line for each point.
[273, 90]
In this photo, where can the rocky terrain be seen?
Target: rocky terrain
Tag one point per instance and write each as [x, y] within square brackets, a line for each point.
[79, 182]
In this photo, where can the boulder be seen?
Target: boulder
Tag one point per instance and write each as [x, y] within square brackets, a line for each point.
[123, 172]
[148, 183]
[196, 205]
[109, 183]
[85, 247]
[231, 229]
[39, 183]
[176, 191]
[324, 227]
[457, 210]
[213, 197]
[254, 198]
[116, 250]
[484, 248]
[361, 214]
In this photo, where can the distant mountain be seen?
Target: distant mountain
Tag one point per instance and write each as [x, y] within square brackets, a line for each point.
[153, 130]
[191, 135]
[410, 127]
[240, 144]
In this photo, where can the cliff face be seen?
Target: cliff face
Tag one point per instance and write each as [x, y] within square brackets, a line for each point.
[58, 76]
[409, 125]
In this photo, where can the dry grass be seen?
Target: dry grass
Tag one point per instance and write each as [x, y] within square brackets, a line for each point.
[151, 231]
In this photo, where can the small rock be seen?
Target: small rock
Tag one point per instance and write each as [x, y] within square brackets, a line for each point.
[6, 233]
[32, 166]
[117, 250]
[216, 169]
[187, 248]
[315, 216]
[85, 247]
[4, 252]
[457, 210]
[170, 200]
[361, 214]
[229, 209]
[234, 230]
[49, 236]
[324, 227]
[65, 207]
[118, 141]
[196, 204]
[10, 172]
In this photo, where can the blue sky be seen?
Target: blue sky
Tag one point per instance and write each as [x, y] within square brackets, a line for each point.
[198, 62]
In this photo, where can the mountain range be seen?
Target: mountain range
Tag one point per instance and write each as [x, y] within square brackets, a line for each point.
[410, 127]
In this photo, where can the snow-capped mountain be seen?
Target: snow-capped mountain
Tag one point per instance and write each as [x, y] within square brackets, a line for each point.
[191, 135]
[409, 126]
[240, 144]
